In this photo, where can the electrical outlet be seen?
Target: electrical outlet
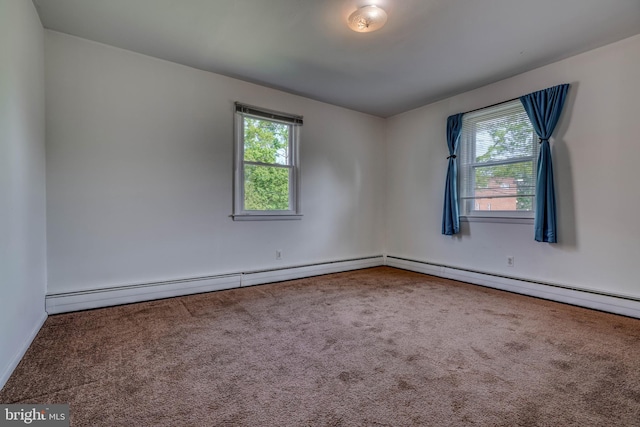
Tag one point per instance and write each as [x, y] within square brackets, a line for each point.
[278, 253]
[511, 260]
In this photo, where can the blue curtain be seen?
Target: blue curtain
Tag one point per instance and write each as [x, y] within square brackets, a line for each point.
[450, 214]
[544, 108]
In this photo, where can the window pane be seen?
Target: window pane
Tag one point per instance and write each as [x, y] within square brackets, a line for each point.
[266, 188]
[266, 141]
[508, 204]
[505, 137]
[497, 161]
[507, 187]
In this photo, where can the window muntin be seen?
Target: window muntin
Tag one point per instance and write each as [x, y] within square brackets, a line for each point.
[266, 178]
[497, 161]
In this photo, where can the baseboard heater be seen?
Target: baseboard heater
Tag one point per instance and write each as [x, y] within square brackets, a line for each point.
[612, 303]
[62, 302]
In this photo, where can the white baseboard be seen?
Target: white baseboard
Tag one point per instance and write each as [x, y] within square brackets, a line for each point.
[125, 294]
[262, 277]
[616, 304]
[8, 370]
[84, 300]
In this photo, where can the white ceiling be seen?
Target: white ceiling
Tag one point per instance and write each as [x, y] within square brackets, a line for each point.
[429, 49]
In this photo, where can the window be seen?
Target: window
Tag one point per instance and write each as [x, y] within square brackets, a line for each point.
[497, 162]
[266, 170]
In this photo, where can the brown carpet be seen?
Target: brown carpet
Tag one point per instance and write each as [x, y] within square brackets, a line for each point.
[375, 347]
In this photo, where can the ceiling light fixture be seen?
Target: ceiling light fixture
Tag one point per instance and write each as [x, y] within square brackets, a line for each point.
[367, 19]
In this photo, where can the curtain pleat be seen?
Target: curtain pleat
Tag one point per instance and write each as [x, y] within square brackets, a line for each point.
[544, 108]
[450, 213]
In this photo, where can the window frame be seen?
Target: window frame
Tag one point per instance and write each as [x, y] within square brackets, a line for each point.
[294, 122]
[472, 215]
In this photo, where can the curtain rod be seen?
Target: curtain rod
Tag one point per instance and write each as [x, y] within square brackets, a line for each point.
[492, 105]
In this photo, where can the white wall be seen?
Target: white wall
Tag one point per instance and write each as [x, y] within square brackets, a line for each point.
[139, 169]
[595, 154]
[22, 181]
[139, 173]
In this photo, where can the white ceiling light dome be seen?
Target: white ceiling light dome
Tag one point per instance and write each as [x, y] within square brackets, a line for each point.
[367, 19]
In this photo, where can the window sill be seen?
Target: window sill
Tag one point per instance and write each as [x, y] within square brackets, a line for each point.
[504, 220]
[286, 217]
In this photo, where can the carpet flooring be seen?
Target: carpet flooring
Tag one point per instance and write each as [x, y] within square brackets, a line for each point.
[374, 347]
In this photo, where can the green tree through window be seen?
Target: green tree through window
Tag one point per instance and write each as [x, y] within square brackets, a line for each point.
[512, 137]
[497, 161]
[266, 165]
